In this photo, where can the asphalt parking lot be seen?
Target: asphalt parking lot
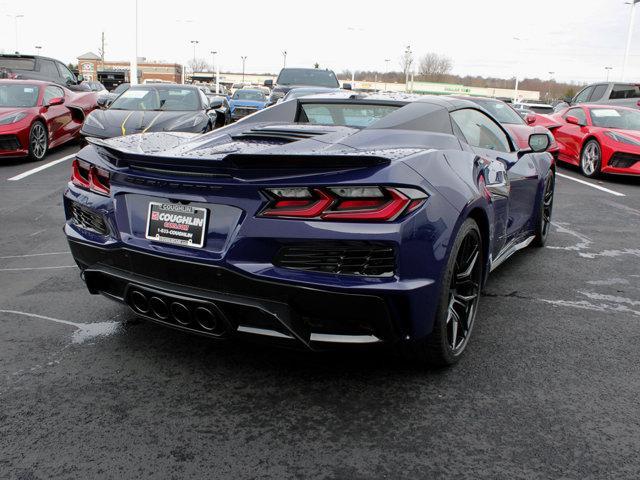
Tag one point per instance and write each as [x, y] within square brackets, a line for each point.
[549, 386]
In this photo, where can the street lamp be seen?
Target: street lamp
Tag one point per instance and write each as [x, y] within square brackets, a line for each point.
[194, 43]
[38, 48]
[244, 59]
[133, 71]
[515, 95]
[386, 72]
[213, 60]
[629, 35]
[608, 69]
[284, 55]
[15, 20]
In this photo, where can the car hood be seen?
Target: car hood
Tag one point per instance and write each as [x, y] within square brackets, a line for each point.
[5, 111]
[125, 122]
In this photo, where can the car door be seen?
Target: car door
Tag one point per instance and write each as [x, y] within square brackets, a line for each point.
[57, 117]
[570, 136]
[517, 186]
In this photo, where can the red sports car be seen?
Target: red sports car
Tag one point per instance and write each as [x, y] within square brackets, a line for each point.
[597, 138]
[36, 116]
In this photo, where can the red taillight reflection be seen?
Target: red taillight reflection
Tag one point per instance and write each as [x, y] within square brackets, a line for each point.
[90, 177]
[343, 203]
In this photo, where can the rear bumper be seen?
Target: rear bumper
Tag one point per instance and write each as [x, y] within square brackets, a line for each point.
[288, 314]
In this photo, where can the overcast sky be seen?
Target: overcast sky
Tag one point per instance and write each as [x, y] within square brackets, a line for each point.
[575, 39]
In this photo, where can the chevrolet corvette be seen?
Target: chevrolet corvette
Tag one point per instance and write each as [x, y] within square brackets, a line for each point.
[597, 138]
[341, 219]
[36, 116]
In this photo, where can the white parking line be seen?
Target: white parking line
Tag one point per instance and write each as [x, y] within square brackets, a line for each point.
[34, 255]
[34, 268]
[40, 168]
[612, 192]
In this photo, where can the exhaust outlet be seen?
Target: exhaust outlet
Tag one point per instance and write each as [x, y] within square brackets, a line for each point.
[180, 313]
[206, 319]
[139, 301]
[159, 308]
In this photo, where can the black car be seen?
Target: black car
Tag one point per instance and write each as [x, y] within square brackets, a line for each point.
[34, 67]
[154, 108]
[301, 77]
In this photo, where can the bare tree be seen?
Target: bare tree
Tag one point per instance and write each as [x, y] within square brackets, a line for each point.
[435, 66]
[198, 65]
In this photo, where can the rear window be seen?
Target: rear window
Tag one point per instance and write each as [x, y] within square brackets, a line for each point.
[347, 115]
[621, 91]
[308, 76]
[18, 63]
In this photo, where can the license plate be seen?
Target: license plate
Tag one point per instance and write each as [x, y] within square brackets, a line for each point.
[177, 224]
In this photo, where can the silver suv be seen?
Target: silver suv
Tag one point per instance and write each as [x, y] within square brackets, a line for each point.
[620, 94]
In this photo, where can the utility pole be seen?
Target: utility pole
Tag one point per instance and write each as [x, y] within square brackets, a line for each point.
[244, 59]
[515, 95]
[407, 66]
[629, 35]
[102, 50]
[284, 62]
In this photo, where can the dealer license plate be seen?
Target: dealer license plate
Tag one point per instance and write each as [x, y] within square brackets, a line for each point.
[177, 224]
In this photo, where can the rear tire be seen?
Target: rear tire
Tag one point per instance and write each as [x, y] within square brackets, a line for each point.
[38, 141]
[545, 211]
[591, 159]
[458, 303]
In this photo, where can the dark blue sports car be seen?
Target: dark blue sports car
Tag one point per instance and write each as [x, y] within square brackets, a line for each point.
[325, 220]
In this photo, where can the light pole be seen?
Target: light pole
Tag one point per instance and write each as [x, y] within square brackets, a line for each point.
[194, 43]
[608, 69]
[549, 89]
[38, 48]
[515, 95]
[15, 24]
[133, 74]
[244, 59]
[284, 56]
[213, 60]
[629, 35]
[386, 72]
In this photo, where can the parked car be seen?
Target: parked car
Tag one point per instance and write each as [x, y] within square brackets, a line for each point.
[532, 107]
[96, 87]
[246, 101]
[318, 222]
[597, 138]
[609, 93]
[35, 67]
[223, 112]
[305, 92]
[519, 128]
[106, 99]
[301, 77]
[154, 108]
[36, 116]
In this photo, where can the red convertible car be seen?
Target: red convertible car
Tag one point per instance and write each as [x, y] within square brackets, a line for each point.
[597, 138]
[37, 115]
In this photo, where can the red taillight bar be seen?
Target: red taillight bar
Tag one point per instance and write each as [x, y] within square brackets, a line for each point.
[90, 177]
[343, 203]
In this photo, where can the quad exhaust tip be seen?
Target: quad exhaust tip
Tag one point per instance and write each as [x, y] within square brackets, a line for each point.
[195, 315]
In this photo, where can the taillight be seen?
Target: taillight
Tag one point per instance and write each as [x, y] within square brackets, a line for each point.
[90, 177]
[343, 203]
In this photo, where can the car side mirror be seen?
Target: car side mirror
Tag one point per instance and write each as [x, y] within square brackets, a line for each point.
[55, 101]
[268, 83]
[103, 102]
[347, 86]
[215, 103]
[567, 100]
[539, 142]
[530, 118]
[573, 120]
[80, 78]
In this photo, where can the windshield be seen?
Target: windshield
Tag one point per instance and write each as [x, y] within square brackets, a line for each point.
[348, 115]
[158, 98]
[307, 76]
[500, 111]
[121, 88]
[615, 118]
[18, 95]
[255, 95]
